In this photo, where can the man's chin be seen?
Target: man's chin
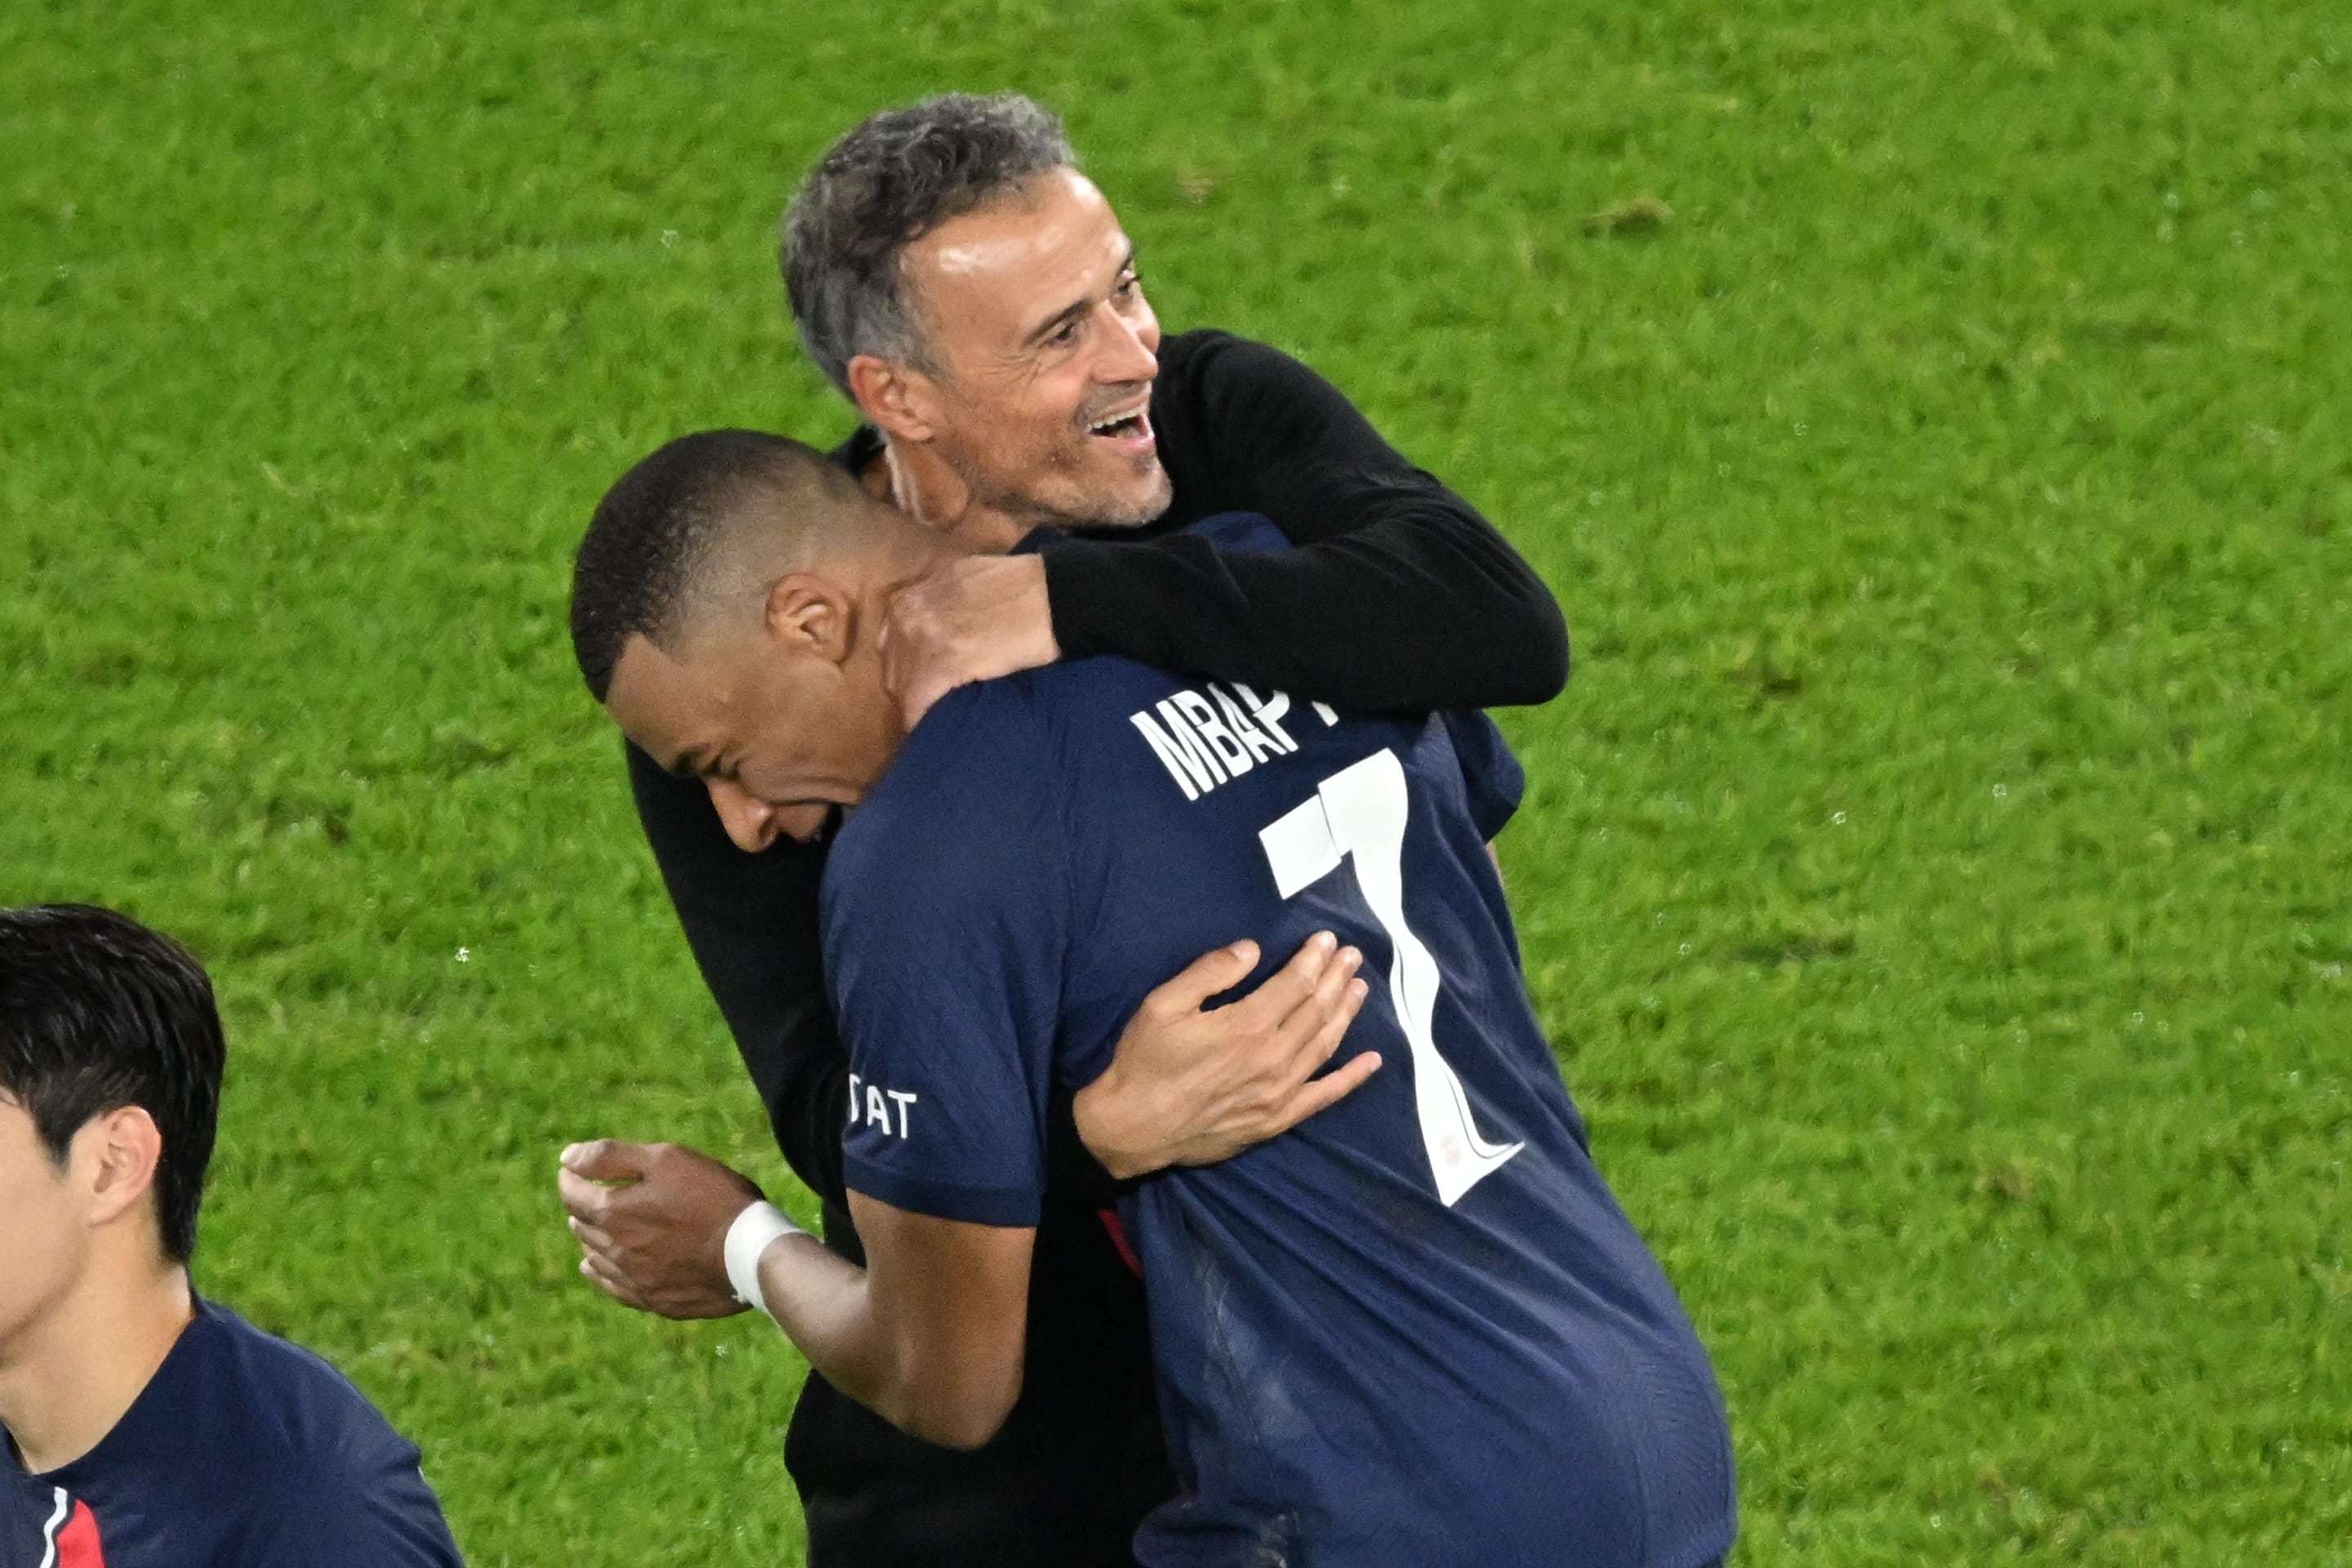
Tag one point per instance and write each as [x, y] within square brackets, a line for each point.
[1125, 495]
[1139, 501]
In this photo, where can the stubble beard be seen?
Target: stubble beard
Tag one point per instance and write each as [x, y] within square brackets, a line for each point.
[1063, 494]
[1134, 506]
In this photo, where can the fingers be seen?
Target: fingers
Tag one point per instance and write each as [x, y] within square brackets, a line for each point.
[969, 619]
[1320, 960]
[921, 644]
[605, 1160]
[900, 646]
[1220, 970]
[1295, 982]
[1333, 1007]
[1329, 1018]
[1324, 1092]
[610, 1281]
[1294, 998]
[593, 1237]
[600, 1267]
[1335, 988]
[584, 1199]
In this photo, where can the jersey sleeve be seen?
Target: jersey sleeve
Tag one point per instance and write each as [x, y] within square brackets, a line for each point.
[1491, 774]
[379, 1515]
[947, 909]
[1401, 597]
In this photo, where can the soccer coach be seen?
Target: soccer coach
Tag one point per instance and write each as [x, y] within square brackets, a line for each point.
[974, 296]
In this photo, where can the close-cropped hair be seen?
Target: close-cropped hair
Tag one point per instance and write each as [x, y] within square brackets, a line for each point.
[888, 183]
[99, 1013]
[657, 527]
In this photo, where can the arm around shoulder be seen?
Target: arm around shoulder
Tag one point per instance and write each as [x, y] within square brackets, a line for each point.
[1400, 595]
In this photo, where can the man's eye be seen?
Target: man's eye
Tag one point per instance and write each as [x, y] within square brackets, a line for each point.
[1129, 287]
[1065, 335]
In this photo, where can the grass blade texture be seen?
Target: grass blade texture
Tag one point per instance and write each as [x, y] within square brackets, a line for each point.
[1933, 419]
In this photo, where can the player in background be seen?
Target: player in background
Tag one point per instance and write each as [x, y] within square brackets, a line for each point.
[146, 1426]
[1414, 1328]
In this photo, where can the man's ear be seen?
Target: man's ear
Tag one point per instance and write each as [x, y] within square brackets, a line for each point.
[811, 614]
[115, 1155]
[896, 399]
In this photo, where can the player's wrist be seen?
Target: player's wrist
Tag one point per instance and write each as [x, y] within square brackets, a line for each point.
[1093, 1109]
[759, 1224]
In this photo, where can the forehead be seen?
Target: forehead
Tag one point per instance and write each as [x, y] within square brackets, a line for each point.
[1055, 243]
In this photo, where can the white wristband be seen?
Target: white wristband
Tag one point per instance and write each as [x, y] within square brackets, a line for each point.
[747, 1238]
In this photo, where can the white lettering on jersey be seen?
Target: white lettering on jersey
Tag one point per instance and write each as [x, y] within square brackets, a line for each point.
[876, 1112]
[1179, 750]
[1261, 744]
[1203, 744]
[49, 1536]
[1212, 729]
[1267, 713]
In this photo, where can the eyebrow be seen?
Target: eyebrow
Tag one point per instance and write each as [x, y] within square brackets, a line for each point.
[688, 765]
[1077, 308]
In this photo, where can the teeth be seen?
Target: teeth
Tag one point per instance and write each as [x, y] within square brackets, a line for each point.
[1107, 420]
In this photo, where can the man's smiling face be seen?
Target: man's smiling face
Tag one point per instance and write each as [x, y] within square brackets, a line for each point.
[1046, 350]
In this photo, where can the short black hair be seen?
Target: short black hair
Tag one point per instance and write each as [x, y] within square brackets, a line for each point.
[97, 1012]
[656, 526]
[890, 180]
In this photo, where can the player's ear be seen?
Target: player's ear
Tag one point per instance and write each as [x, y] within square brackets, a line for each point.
[810, 614]
[114, 1158]
[896, 399]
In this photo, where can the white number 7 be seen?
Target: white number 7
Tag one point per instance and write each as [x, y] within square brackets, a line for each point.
[1361, 811]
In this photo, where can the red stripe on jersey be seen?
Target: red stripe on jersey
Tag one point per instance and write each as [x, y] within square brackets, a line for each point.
[1118, 1239]
[77, 1545]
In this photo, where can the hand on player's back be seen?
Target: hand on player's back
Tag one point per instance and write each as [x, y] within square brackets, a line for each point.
[651, 1220]
[973, 619]
[1192, 1085]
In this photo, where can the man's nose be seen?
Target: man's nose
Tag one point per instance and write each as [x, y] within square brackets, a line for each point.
[754, 824]
[801, 822]
[750, 821]
[1128, 342]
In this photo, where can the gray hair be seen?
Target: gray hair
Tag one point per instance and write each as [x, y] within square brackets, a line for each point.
[886, 183]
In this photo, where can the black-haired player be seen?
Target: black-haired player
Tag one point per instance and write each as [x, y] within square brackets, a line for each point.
[146, 1426]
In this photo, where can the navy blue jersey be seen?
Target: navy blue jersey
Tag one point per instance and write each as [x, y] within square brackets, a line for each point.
[243, 1451]
[1416, 1329]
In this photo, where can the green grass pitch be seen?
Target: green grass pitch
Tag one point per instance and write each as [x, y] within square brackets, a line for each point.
[1933, 418]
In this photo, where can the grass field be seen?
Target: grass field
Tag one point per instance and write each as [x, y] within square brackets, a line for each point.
[1936, 422]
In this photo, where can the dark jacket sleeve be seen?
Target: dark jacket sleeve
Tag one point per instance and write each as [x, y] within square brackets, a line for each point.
[1400, 595]
[752, 920]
